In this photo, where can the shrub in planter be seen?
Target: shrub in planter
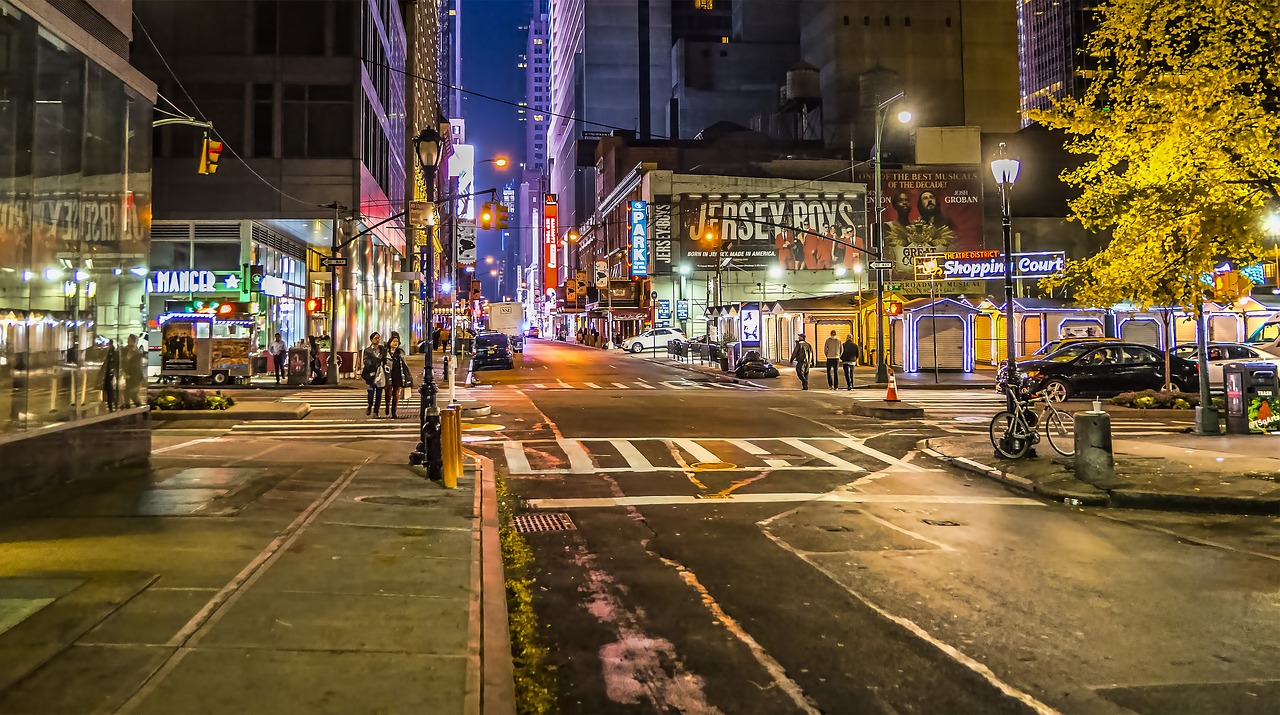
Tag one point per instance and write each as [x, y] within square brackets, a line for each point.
[174, 398]
[1157, 400]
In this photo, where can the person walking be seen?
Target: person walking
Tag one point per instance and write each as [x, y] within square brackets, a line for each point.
[110, 373]
[133, 359]
[831, 351]
[374, 371]
[277, 351]
[398, 377]
[849, 354]
[802, 357]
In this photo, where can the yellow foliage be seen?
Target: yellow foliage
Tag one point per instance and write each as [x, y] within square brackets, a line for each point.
[1182, 126]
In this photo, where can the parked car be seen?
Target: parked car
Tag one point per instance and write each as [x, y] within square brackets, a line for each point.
[753, 365]
[1224, 354]
[533, 332]
[493, 350]
[651, 340]
[1107, 368]
[1054, 346]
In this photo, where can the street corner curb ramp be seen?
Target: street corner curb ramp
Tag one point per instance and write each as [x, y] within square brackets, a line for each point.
[886, 410]
[1122, 498]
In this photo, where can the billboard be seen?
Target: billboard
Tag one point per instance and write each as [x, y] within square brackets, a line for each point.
[638, 220]
[759, 232]
[462, 166]
[663, 248]
[550, 242]
[929, 210]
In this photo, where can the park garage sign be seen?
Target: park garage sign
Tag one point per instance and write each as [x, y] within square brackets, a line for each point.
[988, 265]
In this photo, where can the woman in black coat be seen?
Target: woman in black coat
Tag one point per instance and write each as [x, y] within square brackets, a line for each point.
[398, 376]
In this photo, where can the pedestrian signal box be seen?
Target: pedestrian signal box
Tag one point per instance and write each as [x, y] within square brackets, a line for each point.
[315, 305]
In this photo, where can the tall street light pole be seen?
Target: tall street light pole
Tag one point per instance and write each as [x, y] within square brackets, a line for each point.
[429, 452]
[1005, 170]
[882, 358]
[500, 162]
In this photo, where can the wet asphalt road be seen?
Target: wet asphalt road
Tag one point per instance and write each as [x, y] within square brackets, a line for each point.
[704, 573]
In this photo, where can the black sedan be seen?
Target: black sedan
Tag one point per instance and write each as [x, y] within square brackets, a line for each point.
[1107, 368]
[493, 350]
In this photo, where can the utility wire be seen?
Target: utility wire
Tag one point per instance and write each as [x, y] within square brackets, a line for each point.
[201, 115]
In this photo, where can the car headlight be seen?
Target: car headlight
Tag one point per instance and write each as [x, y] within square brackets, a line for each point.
[1033, 374]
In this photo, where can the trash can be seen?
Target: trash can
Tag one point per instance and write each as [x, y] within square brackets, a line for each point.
[735, 354]
[297, 367]
[1253, 397]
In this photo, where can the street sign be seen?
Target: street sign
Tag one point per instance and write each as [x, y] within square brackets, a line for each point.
[881, 265]
[331, 261]
[682, 310]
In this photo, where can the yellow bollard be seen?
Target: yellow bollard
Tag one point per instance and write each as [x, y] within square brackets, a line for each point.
[451, 445]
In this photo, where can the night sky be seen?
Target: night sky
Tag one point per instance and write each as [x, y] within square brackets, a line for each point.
[491, 45]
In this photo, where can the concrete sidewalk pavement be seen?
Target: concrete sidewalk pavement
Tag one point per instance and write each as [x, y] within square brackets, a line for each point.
[1236, 474]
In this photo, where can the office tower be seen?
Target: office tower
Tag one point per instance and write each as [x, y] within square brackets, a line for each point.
[1051, 59]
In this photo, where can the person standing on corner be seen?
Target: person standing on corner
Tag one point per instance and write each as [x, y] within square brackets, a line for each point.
[374, 371]
[802, 356]
[398, 377]
[831, 351]
[849, 354]
[277, 352]
[133, 361]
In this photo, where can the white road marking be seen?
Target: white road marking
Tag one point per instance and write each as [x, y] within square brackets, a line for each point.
[828, 458]
[673, 386]
[564, 384]
[593, 386]
[634, 458]
[188, 443]
[695, 450]
[646, 385]
[621, 386]
[579, 460]
[748, 447]
[858, 446]
[540, 386]
[517, 460]
[773, 497]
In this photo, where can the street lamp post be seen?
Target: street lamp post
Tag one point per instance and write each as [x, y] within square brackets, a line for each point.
[429, 452]
[501, 163]
[882, 361]
[1005, 169]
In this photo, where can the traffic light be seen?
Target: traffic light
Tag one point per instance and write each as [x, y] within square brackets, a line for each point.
[503, 215]
[315, 305]
[209, 155]
[487, 214]
[892, 307]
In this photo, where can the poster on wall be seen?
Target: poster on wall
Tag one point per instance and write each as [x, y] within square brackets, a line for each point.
[754, 233]
[928, 210]
[178, 345]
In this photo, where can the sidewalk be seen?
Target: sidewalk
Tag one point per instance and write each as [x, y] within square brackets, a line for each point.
[1223, 473]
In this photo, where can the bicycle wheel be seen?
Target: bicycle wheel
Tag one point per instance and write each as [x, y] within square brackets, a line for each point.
[1017, 446]
[1061, 432]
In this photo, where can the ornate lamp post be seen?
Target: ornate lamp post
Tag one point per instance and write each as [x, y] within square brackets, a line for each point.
[428, 452]
[1005, 170]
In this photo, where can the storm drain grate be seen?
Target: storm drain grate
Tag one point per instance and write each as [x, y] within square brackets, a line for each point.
[541, 521]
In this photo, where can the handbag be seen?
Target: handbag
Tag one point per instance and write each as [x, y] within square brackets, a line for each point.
[379, 377]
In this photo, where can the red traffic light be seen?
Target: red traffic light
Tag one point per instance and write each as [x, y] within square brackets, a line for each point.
[315, 305]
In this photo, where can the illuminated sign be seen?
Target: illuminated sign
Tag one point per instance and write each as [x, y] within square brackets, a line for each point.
[192, 282]
[682, 310]
[550, 241]
[987, 265]
[664, 312]
[272, 286]
[639, 222]
[751, 326]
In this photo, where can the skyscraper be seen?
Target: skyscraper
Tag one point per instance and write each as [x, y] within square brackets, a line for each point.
[1051, 59]
[537, 61]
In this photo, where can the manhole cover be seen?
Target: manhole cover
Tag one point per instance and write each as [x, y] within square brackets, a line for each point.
[940, 522]
[390, 500]
[542, 521]
[713, 465]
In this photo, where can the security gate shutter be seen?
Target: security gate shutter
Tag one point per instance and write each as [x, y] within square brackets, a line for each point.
[984, 340]
[1146, 332]
[1222, 328]
[947, 333]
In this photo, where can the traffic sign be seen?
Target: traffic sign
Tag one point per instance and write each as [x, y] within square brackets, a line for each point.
[329, 261]
[881, 265]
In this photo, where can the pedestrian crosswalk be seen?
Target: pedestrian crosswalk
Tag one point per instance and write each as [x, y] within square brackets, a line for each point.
[636, 385]
[358, 399]
[954, 401]
[336, 429]
[663, 454]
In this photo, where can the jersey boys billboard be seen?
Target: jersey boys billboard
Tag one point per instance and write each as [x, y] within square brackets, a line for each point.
[754, 233]
[929, 210]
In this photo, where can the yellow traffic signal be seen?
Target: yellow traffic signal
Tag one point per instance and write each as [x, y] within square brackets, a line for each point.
[209, 155]
[503, 215]
[487, 215]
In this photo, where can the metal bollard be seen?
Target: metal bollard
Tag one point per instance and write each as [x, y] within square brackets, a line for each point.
[451, 444]
[1094, 462]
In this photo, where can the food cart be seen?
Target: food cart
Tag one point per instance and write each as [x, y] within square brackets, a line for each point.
[201, 347]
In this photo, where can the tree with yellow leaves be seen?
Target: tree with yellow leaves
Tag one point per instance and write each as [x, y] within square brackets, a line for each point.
[1181, 122]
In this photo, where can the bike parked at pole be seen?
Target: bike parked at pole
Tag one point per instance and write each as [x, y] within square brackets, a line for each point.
[1014, 434]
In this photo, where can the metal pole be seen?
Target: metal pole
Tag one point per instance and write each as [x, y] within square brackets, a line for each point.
[453, 307]
[428, 452]
[1011, 353]
[331, 375]
[933, 318]
[882, 368]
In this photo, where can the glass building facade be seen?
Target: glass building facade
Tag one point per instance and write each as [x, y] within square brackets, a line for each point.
[75, 209]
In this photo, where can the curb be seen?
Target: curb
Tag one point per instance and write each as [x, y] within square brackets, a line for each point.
[886, 410]
[497, 673]
[1116, 498]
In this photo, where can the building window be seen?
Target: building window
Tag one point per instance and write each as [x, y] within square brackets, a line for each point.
[318, 121]
[265, 23]
[906, 21]
[706, 4]
[846, 20]
[948, 22]
[303, 22]
[886, 20]
[264, 120]
[866, 20]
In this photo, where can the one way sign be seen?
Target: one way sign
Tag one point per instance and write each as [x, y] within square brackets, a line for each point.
[330, 261]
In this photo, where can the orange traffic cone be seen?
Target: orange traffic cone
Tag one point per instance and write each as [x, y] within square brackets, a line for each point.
[891, 395]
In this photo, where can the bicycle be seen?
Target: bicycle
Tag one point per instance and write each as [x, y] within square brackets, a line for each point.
[1012, 435]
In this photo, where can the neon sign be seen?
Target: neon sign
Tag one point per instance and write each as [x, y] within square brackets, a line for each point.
[639, 222]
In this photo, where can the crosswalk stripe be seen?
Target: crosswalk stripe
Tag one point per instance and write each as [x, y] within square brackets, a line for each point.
[634, 458]
[646, 385]
[517, 462]
[857, 446]
[674, 386]
[759, 451]
[697, 451]
[593, 386]
[579, 460]
[828, 458]
[621, 386]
